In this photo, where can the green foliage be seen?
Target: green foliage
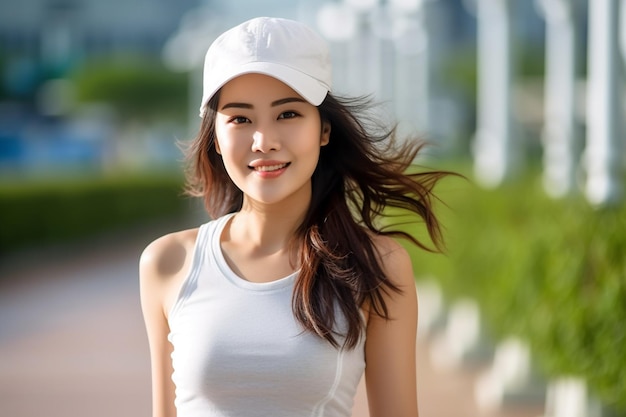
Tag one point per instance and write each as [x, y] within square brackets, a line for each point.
[531, 60]
[37, 213]
[136, 88]
[550, 271]
[459, 72]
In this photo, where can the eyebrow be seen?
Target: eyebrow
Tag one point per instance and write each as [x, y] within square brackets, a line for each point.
[273, 104]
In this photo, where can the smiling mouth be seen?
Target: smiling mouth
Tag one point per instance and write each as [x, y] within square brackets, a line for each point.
[270, 168]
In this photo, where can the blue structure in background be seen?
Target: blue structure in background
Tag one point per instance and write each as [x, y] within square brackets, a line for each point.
[41, 40]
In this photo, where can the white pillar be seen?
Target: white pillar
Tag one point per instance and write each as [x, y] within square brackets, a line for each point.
[431, 316]
[463, 340]
[338, 23]
[561, 133]
[510, 380]
[386, 73]
[568, 396]
[341, 66]
[413, 74]
[356, 54]
[370, 64]
[604, 151]
[366, 50]
[410, 100]
[495, 158]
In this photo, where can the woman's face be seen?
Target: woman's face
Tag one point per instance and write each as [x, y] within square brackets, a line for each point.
[269, 138]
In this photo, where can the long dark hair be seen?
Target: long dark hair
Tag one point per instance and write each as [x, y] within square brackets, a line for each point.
[361, 171]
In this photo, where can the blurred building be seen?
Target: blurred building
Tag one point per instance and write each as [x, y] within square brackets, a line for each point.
[42, 41]
[92, 26]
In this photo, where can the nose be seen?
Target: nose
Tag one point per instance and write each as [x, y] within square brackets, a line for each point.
[265, 139]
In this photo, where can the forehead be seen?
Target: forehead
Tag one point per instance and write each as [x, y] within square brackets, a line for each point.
[255, 87]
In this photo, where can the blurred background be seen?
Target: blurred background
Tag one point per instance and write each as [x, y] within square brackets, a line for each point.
[525, 312]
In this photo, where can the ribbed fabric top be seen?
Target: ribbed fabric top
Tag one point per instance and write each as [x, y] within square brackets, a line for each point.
[238, 350]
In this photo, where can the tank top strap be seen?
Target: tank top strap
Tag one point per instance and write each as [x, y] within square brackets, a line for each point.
[207, 234]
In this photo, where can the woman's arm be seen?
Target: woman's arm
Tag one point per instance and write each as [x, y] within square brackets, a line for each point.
[390, 372]
[162, 268]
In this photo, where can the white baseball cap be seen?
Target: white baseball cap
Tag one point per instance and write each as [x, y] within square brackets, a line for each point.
[284, 49]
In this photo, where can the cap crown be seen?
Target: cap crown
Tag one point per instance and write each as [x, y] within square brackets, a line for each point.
[284, 49]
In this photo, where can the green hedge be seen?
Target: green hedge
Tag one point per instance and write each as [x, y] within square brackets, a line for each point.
[137, 88]
[41, 212]
[550, 271]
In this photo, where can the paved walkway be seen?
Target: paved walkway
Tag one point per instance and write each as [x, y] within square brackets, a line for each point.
[72, 342]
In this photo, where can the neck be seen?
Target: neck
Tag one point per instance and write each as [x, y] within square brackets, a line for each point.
[267, 228]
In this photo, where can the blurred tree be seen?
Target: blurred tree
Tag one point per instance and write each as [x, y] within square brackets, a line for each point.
[137, 88]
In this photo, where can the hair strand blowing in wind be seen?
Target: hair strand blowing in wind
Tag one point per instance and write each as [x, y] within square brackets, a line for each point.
[362, 171]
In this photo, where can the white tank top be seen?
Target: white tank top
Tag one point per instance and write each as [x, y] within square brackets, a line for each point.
[238, 350]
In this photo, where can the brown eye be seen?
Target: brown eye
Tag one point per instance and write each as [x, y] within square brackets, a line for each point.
[288, 115]
[239, 120]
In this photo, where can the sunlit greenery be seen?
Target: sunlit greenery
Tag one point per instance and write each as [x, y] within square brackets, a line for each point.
[550, 271]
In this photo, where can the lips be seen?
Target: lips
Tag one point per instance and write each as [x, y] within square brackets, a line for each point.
[270, 168]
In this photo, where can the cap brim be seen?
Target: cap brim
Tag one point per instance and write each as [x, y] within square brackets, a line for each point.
[310, 88]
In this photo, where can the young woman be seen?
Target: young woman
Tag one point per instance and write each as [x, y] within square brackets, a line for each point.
[278, 305]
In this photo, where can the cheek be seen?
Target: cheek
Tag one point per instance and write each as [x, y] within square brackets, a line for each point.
[227, 144]
[314, 140]
[224, 139]
[310, 148]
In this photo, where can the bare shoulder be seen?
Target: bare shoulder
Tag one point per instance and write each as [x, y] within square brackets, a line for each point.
[164, 263]
[166, 255]
[394, 259]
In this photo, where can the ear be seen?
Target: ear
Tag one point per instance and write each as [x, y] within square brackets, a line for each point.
[325, 136]
[217, 147]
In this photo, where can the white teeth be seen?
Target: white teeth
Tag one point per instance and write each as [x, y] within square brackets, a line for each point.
[266, 168]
